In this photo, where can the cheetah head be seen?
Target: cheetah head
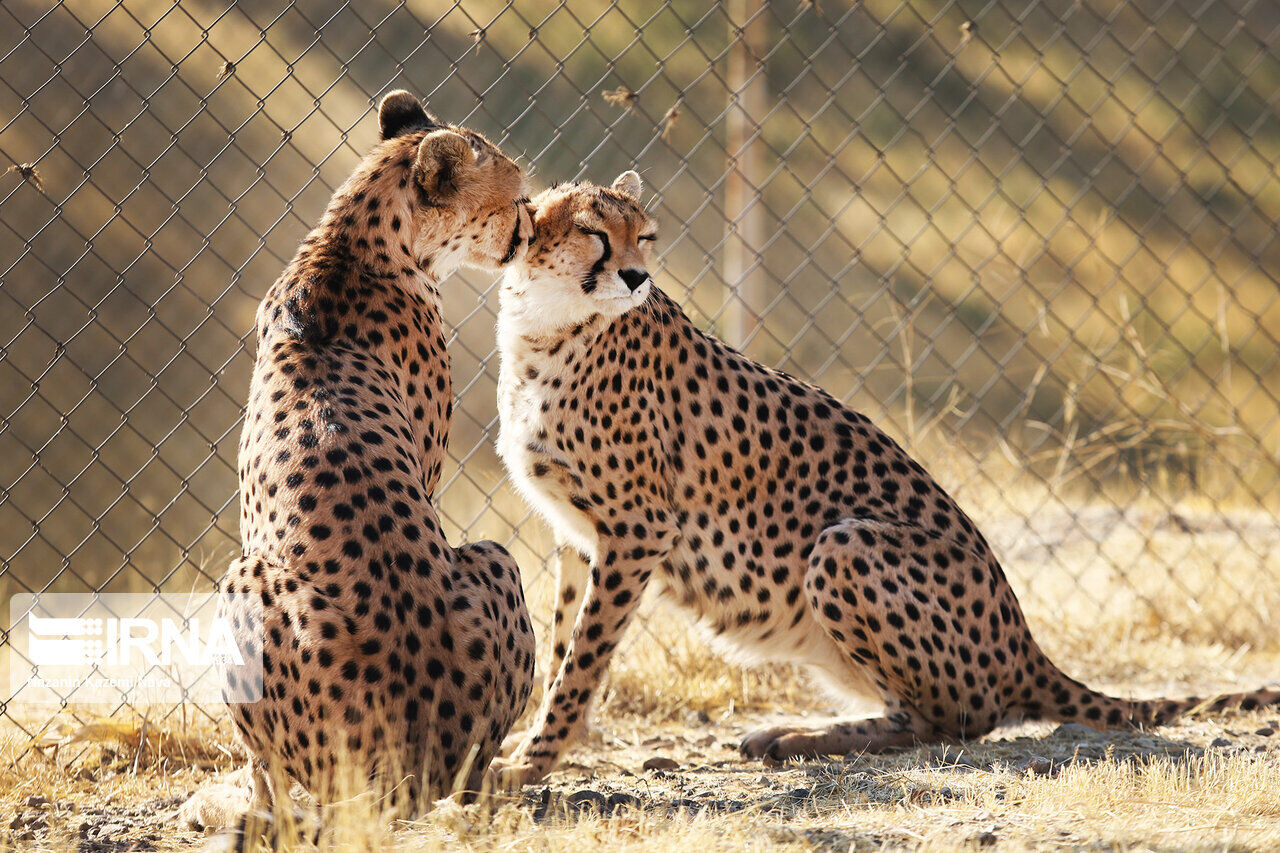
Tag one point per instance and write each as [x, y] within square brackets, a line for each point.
[470, 199]
[589, 256]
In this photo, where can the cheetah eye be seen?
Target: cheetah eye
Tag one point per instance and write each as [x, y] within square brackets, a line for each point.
[646, 238]
[593, 232]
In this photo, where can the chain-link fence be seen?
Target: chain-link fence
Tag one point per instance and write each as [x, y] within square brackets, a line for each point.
[1036, 240]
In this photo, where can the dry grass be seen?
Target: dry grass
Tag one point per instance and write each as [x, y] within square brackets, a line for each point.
[84, 783]
[1033, 788]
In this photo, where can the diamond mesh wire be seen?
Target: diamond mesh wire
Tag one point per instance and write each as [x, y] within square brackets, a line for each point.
[1036, 241]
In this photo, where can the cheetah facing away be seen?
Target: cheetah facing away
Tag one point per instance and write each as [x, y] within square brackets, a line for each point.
[382, 645]
[790, 526]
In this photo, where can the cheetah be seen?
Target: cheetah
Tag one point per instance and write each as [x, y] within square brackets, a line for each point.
[381, 644]
[787, 524]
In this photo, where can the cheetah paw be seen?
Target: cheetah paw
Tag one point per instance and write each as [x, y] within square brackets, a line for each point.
[512, 774]
[219, 806]
[778, 743]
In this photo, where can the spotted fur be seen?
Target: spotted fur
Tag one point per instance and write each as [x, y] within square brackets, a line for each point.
[384, 647]
[788, 525]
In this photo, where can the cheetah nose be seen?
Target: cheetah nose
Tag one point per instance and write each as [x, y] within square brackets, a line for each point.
[634, 278]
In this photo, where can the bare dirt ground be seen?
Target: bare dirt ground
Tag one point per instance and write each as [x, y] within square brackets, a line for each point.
[1202, 785]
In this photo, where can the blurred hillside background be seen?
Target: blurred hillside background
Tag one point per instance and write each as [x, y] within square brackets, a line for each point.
[1036, 240]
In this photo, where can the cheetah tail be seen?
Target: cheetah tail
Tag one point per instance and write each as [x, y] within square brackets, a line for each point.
[1157, 711]
[1078, 703]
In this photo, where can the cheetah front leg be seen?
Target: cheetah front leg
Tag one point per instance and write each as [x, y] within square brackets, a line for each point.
[572, 569]
[618, 576]
[573, 573]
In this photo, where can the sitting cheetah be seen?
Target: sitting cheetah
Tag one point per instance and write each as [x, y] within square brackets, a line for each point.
[383, 645]
[789, 525]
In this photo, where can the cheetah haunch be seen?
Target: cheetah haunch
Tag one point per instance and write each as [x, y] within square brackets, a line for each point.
[384, 647]
[789, 525]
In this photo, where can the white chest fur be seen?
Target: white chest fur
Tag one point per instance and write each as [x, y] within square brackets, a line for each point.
[527, 392]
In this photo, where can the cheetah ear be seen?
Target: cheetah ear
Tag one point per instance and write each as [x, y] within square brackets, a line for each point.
[400, 113]
[442, 156]
[628, 183]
